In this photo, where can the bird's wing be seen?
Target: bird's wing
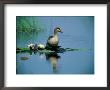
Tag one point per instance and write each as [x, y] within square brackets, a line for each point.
[47, 44]
[50, 37]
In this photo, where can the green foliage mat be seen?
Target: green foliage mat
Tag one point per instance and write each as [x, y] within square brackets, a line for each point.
[59, 50]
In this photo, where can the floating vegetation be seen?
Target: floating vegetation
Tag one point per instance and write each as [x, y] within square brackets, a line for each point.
[24, 58]
[27, 24]
[59, 50]
[28, 28]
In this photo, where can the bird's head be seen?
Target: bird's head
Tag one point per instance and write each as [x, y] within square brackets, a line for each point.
[57, 29]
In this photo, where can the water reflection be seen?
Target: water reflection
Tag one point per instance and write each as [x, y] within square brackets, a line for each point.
[49, 55]
[53, 59]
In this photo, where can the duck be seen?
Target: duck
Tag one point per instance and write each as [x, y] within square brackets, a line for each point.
[52, 42]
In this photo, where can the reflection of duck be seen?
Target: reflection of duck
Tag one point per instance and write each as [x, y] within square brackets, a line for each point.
[53, 59]
[52, 54]
[52, 41]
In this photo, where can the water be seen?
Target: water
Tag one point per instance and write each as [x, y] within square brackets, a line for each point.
[78, 33]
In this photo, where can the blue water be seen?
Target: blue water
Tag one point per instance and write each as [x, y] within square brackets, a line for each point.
[78, 33]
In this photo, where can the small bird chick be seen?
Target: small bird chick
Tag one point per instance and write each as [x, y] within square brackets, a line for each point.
[31, 46]
[40, 46]
[36, 46]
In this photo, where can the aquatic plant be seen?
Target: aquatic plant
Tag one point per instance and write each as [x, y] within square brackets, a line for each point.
[27, 29]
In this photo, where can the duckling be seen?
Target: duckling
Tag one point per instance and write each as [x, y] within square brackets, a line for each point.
[36, 46]
[31, 46]
[40, 47]
[52, 41]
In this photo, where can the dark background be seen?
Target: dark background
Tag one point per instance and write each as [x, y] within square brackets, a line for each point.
[57, 1]
[2, 49]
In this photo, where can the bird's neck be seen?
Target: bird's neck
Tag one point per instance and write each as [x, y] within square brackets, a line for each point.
[55, 33]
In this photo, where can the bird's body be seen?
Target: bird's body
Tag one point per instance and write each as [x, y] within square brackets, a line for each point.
[52, 42]
[40, 46]
[31, 46]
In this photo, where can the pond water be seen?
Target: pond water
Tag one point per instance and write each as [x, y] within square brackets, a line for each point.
[78, 33]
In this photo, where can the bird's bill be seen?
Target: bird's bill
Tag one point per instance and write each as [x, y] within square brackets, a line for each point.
[61, 31]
